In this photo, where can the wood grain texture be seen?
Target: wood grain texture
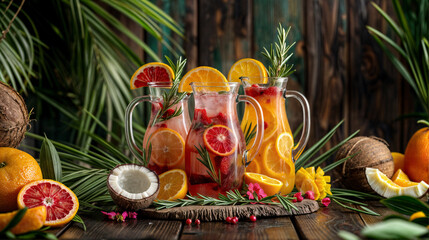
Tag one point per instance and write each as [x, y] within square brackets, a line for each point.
[220, 213]
[272, 228]
[100, 228]
[325, 223]
[378, 208]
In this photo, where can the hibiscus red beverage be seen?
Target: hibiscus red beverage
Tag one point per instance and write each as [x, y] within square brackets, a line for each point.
[215, 150]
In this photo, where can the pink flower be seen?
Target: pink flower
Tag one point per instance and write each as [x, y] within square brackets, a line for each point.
[298, 197]
[309, 195]
[255, 188]
[326, 201]
[110, 215]
[132, 215]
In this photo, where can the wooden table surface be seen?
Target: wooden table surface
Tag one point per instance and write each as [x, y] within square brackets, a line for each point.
[323, 224]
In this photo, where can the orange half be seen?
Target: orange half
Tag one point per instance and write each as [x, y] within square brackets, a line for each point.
[168, 147]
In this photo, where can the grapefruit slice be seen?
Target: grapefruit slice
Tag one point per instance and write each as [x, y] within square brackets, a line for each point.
[32, 220]
[385, 187]
[247, 67]
[60, 202]
[207, 76]
[220, 140]
[151, 72]
[173, 185]
[168, 147]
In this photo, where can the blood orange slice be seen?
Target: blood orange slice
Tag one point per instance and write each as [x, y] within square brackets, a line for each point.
[151, 72]
[220, 140]
[60, 202]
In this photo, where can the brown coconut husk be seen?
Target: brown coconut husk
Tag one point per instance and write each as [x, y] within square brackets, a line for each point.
[370, 152]
[14, 118]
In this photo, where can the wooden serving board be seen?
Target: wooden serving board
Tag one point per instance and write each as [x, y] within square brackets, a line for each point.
[220, 213]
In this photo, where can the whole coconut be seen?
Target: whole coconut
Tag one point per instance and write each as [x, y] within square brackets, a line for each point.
[13, 117]
[370, 152]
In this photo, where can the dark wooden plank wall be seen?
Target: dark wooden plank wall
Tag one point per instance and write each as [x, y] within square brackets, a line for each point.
[340, 69]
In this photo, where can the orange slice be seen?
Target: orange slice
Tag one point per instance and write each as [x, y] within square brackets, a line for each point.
[151, 72]
[206, 76]
[273, 164]
[270, 186]
[168, 147]
[220, 140]
[402, 179]
[246, 67]
[173, 185]
[33, 220]
[284, 145]
[271, 122]
[309, 185]
[300, 176]
[60, 202]
[398, 160]
[253, 167]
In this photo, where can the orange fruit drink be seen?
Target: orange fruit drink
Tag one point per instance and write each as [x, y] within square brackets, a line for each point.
[215, 151]
[277, 154]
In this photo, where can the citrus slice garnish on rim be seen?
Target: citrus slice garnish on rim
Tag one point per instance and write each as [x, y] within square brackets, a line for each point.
[284, 145]
[270, 185]
[247, 67]
[385, 187]
[60, 202]
[206, 76]
[220, 140]
[151, 72]
[274, 165]
[32, 220]
[168, 147]
[173, 185]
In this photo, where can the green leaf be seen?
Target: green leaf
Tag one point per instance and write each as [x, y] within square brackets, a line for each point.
[50, 162]
[394, 229]
[15, 220]
[406, 205]
[78, 219]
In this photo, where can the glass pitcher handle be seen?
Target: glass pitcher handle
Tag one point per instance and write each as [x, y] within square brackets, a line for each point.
[129, 136]
[259, 127]
[297, 150]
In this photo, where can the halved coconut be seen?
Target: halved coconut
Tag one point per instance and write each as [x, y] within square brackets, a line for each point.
[132, 186]
[385, 187]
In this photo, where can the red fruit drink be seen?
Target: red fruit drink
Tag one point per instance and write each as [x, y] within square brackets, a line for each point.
[215, 150]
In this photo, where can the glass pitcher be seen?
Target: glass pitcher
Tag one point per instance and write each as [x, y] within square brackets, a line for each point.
[215, 153]
[165, 135]
[276, 158]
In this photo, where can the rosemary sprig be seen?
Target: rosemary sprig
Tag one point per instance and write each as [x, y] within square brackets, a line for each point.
[172, 97]
[206, 161]
[249, 132]
[232, 197]
[279, 56]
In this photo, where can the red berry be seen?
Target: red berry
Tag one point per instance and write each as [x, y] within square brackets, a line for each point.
[201, 115]
[272, 91]
[265, 125]
[235, 218]
[197, 221]
[224, 165]
[234, 221]
[222, 118]
[163, 125]
[229, 220]
[252, 218]
[188, 221]
[168, 113]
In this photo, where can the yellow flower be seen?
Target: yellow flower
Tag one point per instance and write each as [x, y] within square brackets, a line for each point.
[310, 179]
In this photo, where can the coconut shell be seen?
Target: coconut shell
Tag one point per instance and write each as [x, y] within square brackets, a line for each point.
[13, 117]
[370, 152]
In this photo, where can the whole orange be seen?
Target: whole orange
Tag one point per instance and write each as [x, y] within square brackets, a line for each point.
[17, 168]
[416, 157]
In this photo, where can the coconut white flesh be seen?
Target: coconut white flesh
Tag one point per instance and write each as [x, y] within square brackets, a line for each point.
[375, 180]
[133, 182]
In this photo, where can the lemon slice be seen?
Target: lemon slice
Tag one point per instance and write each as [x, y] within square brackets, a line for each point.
[247, 67]
[385, 187]
[173, 185]
[206, 76]
[284, 145]
[270, 186]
